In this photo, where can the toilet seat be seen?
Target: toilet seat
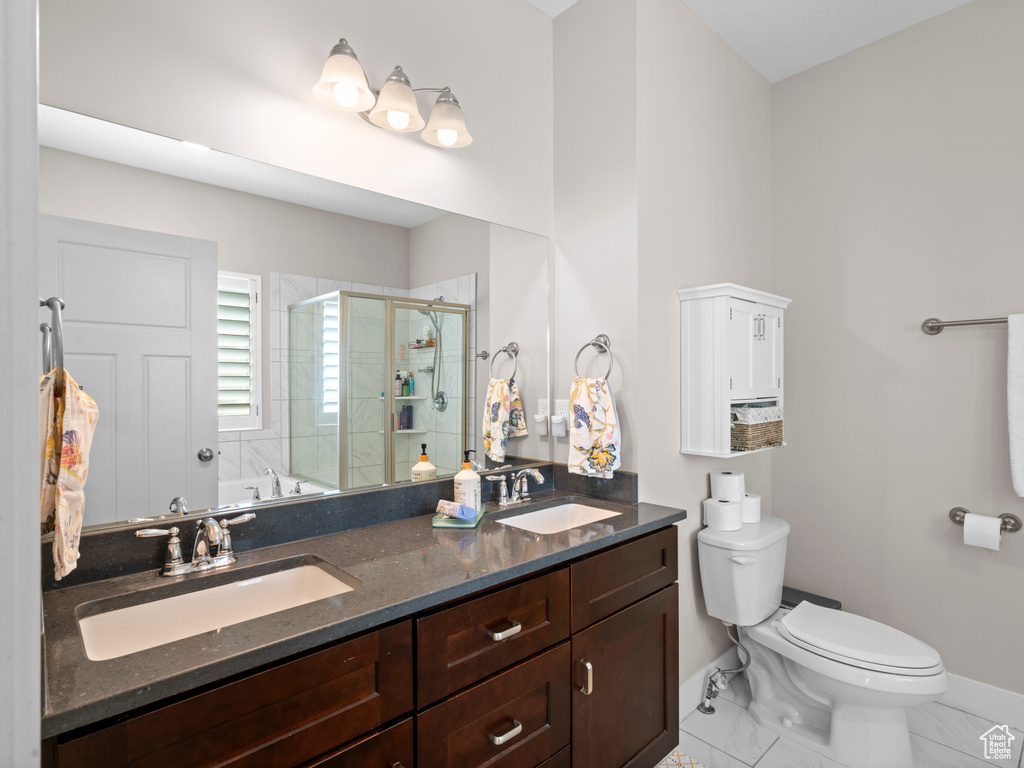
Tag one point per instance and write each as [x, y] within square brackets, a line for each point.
[858, 641]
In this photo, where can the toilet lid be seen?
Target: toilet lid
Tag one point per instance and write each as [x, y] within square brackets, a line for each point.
[857, 641]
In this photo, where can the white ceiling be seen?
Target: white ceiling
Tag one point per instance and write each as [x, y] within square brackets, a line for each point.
[779, 38]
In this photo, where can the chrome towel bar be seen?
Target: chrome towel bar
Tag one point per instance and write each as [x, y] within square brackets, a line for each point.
[1011, 523]
[933, 326]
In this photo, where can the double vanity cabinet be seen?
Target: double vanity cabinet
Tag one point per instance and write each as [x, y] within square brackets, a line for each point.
[571, 664]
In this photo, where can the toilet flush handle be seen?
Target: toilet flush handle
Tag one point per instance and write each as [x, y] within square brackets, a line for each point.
[741, 560]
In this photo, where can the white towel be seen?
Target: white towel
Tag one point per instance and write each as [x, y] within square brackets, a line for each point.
[1015, 399]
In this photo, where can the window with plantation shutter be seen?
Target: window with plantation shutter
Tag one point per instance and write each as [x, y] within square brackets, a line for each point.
[238, 351]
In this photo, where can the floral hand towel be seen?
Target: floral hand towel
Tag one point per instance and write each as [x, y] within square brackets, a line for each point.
[67, 423]
[594, 439]
[503, 417]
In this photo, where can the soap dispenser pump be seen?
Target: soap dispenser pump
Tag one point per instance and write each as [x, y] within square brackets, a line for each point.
[467, 485]
[424, 470]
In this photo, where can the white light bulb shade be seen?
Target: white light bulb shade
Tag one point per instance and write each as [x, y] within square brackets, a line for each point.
[343, 77]
[446, 127]
[396, 97]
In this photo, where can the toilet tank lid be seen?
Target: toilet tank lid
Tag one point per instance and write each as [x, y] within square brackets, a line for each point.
[751, 536]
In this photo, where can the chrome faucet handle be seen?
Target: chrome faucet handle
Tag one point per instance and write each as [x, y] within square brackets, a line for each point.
[226, 553]
[503, 493]
[179, 506]
[174, 565]
[255, 491]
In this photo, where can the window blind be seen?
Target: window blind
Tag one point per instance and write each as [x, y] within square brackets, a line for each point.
[237, 351]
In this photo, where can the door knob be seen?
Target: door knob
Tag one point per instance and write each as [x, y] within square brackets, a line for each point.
[205, 454]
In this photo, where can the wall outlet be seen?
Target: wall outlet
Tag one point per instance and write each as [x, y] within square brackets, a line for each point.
[543, 408]
[541, 417]
[560, 418]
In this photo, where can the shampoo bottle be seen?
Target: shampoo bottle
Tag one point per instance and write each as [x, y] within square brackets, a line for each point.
[424, 470]
[467, 485]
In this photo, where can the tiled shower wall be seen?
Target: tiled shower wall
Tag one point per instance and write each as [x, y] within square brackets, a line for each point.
[245, 454]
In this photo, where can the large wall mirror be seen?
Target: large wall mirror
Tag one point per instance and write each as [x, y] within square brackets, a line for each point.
[362, 318]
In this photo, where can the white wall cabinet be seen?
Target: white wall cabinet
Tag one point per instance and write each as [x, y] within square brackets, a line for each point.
[731, 353]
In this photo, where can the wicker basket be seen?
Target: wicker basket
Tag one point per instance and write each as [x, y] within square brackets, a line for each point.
[750, 437]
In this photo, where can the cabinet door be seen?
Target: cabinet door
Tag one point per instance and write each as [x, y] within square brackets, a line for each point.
[626, 709]
[743, 317]
[767, 351]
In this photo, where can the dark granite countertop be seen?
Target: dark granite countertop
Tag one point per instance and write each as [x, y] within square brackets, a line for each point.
[398, 569]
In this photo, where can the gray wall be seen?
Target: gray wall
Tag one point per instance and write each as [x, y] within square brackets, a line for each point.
[898, 189]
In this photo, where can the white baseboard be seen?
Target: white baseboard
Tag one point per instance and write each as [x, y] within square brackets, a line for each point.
[996, 704]
[691, 690]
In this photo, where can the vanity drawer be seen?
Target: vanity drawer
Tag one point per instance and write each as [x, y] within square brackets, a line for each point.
[284, 716]
[392, 746]
[525, 709]
[463, 644]
[609, 581]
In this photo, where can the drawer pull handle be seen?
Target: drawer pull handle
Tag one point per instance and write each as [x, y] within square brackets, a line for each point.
[497, 741]
[515, 629]
[397, 765]
[588, 686]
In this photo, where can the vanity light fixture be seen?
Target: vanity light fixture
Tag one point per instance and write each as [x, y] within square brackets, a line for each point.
[343, 86]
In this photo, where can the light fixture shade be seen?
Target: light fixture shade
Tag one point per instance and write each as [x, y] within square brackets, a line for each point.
[343, 85]
[396, 108]
[446, 127]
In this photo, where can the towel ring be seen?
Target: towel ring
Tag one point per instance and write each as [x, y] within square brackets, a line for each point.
[512, 350]
[602, 343]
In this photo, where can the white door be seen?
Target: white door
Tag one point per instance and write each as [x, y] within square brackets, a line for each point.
[140, 336]
[741, 346]
[768, 351]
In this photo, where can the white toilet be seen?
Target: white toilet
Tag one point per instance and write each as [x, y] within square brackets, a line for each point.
[835, 682]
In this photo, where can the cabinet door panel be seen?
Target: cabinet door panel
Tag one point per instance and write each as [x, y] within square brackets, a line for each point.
[609, 581]
[392, 746]
[768, 352]
[280, 717]
[455, 647]
[457, 732]
[743, 316]
[631, 716]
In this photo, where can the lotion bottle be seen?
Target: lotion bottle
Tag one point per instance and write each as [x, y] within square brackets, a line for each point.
[467, 485]
[423, 469]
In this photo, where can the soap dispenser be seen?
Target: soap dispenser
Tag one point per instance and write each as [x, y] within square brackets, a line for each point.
[467, 485]
[424, 470]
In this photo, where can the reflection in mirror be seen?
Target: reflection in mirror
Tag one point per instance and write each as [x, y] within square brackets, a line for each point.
[302, 252]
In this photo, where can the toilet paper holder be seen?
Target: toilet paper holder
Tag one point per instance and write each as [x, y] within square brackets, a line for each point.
[1011, 523]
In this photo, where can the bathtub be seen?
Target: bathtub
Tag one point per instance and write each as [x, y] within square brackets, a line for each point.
[233, 491]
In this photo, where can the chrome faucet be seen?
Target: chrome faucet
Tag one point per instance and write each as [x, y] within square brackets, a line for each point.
[211, 533]
[503, 495]
[179, 506]
[275, 483]
[208, 535]
[520, 488]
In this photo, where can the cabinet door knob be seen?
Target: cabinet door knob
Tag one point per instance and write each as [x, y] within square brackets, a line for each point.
[515, 629]
[497, 741]
[588, 685]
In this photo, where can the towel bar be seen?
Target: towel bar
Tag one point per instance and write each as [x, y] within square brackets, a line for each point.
[512, 350]
[1011, 523]
[602, 344]
[933, 326]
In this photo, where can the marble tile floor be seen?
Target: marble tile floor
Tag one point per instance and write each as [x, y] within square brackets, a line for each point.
[941, 737]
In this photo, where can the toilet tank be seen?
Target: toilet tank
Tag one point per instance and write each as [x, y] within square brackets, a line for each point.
[741, 571]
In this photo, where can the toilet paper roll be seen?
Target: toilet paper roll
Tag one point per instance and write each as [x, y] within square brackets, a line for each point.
[751, 508]
[723, 515]
[982, 531]
[727, 485]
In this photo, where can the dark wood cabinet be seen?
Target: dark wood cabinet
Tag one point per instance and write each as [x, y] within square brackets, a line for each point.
[625, 705]
[575, 667]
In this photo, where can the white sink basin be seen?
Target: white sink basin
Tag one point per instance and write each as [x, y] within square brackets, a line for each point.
[147, 625]
[557, 519]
